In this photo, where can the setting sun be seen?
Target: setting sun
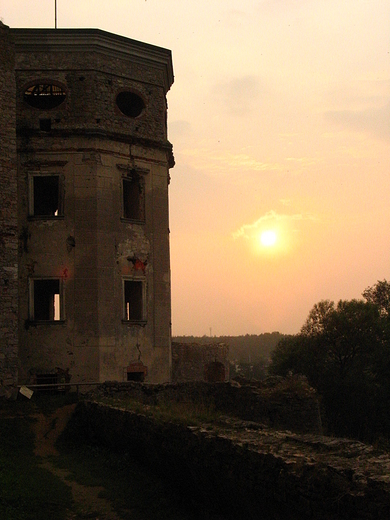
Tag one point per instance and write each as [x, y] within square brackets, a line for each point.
[268, 238]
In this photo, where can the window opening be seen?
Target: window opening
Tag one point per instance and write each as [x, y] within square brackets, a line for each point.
[215, 372]
[46, 196]
[44, 96]
[45, 125]
[134, 198]
[137, 372]
[47, 379]
[57, 314]
[133, 294]
[47, 300]
[130, 104]
[136, 376]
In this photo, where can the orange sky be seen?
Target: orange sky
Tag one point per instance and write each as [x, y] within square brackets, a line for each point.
[280, 120]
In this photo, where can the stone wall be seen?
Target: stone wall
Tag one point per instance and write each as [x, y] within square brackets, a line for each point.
[244, 470]
[194, 362]
[278, 403]
[8, 217]
[93, 66]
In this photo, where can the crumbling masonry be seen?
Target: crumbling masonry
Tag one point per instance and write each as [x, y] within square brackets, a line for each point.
[84, 238]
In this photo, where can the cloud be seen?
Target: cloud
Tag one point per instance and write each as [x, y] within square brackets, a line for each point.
[375, 121]
[271, 217]
[223, 162]
[279, 7]
[239, 96]
[180, 127]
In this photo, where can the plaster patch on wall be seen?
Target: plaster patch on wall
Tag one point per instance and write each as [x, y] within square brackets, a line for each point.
[133, 252]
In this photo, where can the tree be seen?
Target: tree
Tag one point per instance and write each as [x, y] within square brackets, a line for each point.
[351, 331]
[379, 295]
[315, 322]
[343, 331]
[338, 350]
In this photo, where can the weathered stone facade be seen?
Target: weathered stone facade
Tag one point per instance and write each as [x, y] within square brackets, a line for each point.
[195, 362]
[8, 215]
[93, 174]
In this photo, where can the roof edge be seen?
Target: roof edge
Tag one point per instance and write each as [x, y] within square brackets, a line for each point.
[38, 40]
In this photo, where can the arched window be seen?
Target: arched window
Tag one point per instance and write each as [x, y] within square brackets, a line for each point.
[44, 95]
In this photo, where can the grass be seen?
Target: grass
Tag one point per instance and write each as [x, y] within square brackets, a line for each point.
[27, 491]
[178, 412]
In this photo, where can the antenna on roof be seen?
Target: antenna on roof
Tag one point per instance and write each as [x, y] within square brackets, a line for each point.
[55, 14]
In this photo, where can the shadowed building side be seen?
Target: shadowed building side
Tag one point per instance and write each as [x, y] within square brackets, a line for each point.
[93, 164]
[8, 216]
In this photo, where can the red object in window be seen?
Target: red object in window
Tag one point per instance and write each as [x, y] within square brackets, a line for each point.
[139, 265]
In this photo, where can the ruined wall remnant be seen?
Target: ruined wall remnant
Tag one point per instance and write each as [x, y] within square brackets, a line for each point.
[288, 404]
[194, 362]
[245, 470]
[84, 204]
[8, 216]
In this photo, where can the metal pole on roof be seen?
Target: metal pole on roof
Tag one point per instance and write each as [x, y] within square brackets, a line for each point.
[55, 15]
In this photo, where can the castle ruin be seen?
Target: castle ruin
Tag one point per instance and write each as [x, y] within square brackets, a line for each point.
[84, 237]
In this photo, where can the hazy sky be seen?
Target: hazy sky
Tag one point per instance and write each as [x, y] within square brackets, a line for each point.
[280, 121]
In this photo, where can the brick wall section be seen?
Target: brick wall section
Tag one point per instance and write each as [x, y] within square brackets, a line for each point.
[8, 215]
[92, 79]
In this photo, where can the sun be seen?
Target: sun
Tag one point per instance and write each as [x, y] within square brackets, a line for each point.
[268, 238]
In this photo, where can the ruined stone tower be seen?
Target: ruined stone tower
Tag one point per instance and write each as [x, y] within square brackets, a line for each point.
[93, 165]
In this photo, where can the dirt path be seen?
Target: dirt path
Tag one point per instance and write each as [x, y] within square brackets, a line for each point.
[88, 504]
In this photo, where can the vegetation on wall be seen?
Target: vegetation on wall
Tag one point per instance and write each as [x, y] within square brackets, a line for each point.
[344, 351]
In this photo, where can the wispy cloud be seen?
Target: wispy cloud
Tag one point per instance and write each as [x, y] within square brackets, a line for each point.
[373, 120]
[271, 217]
[180, 127]
[240, 96]
[217, 162]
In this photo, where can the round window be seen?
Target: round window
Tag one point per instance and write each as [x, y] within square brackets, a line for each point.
[130, 104]
[44, 96]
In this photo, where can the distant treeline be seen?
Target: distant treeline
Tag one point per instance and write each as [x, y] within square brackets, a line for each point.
[250, 348]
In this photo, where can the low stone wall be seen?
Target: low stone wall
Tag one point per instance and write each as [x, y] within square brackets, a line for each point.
[245, 470]
[288, 404]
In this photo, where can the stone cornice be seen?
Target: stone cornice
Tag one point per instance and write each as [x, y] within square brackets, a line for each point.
[166, 146]
[95, 40]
